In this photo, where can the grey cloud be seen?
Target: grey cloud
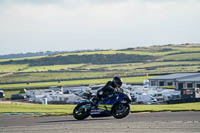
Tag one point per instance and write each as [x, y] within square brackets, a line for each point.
[28, 1]
[81, 1]
[78, 3]
[59, 1]
[132, 22]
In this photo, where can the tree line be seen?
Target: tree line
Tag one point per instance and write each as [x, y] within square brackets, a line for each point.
[83, 59]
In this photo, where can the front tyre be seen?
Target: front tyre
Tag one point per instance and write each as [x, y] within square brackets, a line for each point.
[120, 110]
[82, 111]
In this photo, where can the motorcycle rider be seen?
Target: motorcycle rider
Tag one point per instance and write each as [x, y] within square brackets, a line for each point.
[109, 88]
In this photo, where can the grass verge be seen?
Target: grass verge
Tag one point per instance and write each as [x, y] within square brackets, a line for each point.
[169, 107]
[37, 109]
[67, 109]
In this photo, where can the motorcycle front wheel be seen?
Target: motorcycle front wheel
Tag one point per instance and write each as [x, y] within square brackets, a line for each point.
[120, 110]
[82, 111]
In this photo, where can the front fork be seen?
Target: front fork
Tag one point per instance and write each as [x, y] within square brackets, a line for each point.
[84, 108]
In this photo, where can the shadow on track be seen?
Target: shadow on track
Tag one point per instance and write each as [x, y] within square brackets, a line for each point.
[86, 120]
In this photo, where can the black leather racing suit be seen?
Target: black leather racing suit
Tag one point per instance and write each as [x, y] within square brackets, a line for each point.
[107, 90]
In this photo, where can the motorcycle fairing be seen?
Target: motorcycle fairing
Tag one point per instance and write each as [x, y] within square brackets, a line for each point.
[105, 106]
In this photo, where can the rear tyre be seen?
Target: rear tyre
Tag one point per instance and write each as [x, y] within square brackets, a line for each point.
[82, 111]
[120, 110]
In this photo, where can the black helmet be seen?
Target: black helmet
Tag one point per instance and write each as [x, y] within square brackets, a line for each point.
[117, 81]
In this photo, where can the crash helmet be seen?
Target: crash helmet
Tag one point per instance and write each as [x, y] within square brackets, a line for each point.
[117, 81]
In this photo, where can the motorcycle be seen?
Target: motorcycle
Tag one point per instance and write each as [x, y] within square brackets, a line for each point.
[117, 105]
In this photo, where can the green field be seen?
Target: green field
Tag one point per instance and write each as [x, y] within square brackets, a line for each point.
[12, 68]
[14, 59]
[194, 56]
[187, 49]
[121, 52]
[73, 82]
[67, 109]
[51, 76]
[52, 68]
[38, 73]
[162, 60]
[101, 67]
[36, 108]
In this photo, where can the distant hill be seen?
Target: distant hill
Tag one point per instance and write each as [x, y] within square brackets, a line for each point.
[84, 59]
[183, 52]
[96, 64]
[29, 54]
[34, 54]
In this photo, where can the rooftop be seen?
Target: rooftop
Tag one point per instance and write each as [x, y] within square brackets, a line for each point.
[177, 76]
[190, 79]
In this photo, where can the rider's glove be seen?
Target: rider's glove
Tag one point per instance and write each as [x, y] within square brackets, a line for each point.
[110, 95]
[101, 93]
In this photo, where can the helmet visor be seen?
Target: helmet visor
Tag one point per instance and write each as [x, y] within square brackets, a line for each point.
[119, 84]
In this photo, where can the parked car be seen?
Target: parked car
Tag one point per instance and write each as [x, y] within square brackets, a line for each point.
[16, 96]
[2, 95]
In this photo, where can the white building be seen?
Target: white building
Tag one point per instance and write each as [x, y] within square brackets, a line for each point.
[187, 83]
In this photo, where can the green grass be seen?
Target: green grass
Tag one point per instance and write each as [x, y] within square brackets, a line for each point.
[36, 108]
[9, 93]
[12, 68]
[102, 70]
[74, 82]
[113, 67]
[51, 68]
[14, 59]
[67, 109]
[153, 51]
[97, 52]
[51, 75]
[170, 107]
[16, 73]
[134, 66]
[187, 49]
[107, 52]
[181, 57]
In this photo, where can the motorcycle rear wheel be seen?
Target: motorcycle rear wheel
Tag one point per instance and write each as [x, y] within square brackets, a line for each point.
[120, 110]
[81, 111]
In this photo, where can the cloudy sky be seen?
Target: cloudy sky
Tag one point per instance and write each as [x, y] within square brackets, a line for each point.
[65, 25]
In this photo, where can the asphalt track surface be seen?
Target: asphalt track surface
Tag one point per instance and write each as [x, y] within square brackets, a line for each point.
[160, 122]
